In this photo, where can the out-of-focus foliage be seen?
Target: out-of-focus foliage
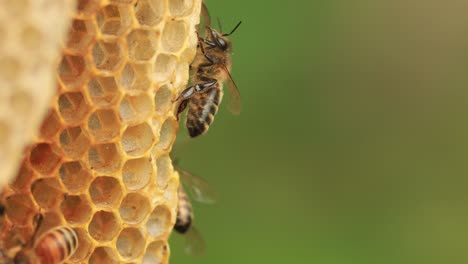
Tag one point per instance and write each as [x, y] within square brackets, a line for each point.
[353, 142]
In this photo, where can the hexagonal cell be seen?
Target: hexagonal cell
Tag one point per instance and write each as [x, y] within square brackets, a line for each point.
[162, 99]
[134, 208]
[159, 221]
[84, 245]
[51, 125]
[74, 142]
[104, 158]
[135, 109]
[138, 139]
[180, 7]
[104, 125]
[107, 55]
[49, 221]
[174, 35]
[44, 159]
[149, 12]
[164, 170]
[142, 44]
[130, 243]
[104, 226]
[103, 255]
[156, 126]
[87, 7]
[23, 179]
[81, 35]
[72, 71]
[105, 191]
[20, 208]
[114, 20]
[189, 53]
[76, 209]
[103, 91]
[127, 77]
[170, 195]
[136, 173]
[167, 135]
[181, 75]
[164, 67]
[73, 107]
[156, 252]
[136, 77]
[75, 177]
[47, 192]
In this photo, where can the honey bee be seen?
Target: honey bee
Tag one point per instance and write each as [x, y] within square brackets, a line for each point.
[210, 70]
[53, 247]
[194, 243]
[200, 191]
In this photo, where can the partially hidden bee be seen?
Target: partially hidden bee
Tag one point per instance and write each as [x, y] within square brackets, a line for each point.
[184, 212]
[53, 247]
[194, 243]
[210, 69]
[200, 191]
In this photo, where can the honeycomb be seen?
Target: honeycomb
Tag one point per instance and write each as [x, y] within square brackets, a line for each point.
[99, 162]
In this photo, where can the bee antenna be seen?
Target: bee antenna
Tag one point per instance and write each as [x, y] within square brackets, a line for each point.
[235, 28]
[219, 24]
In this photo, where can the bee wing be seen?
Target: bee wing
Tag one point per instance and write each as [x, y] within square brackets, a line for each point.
[199, 189]
[234, 103]
[194, 243]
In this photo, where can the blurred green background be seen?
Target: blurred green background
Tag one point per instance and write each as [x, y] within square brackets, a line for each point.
[353, 140]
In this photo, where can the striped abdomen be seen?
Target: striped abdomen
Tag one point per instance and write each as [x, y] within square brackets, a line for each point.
[202, 109]
[184, 213]
[57, 245]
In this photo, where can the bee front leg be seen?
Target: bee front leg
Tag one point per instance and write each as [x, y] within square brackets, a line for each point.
[181, 108]
[186, 94]
[190, 91]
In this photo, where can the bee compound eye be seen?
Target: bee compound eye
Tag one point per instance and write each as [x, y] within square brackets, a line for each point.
[222, 43]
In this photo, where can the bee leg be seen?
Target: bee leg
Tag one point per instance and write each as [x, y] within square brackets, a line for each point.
[190, 91]
[186, 94]
[181, 108]
[201, 40]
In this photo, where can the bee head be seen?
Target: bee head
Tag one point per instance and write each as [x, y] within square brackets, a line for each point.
[220, 39]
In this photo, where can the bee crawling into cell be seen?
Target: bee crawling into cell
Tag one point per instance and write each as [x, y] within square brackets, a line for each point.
[201, 192]
[53, 247]
[210, 69]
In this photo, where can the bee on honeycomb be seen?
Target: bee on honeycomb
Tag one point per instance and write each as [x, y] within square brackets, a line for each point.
[210, 69]
[202, 192]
